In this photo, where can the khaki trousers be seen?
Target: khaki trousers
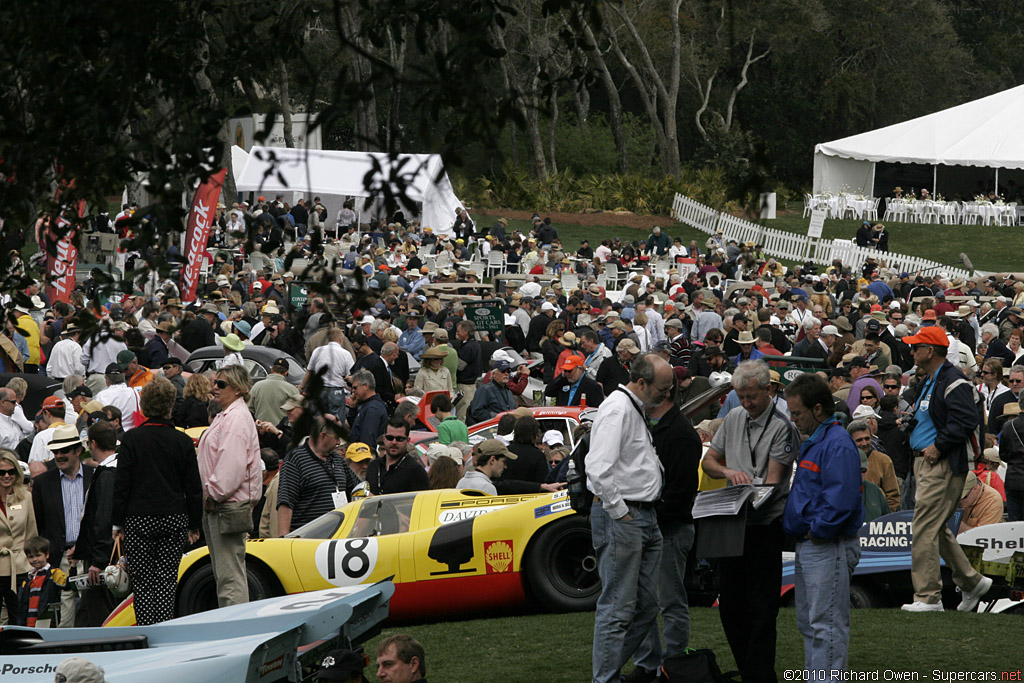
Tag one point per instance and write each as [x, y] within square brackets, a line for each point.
[227, 554]
[68, 599]
[938, 495]
[468, 392]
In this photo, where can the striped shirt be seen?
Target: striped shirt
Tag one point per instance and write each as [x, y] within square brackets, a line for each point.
[72, 490]
[307, 482]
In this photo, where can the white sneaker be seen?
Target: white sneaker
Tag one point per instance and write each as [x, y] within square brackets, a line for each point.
[971, 597]
[918, 606]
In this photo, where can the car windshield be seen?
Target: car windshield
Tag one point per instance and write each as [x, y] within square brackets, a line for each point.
[324, 526]
[384, 515]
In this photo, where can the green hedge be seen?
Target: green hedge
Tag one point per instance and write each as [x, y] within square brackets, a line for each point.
[571, 193]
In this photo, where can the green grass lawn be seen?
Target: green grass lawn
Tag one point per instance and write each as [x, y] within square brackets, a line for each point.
[991, 248]
[557, 647]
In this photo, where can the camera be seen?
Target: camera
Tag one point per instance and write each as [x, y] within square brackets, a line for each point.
[907, 424]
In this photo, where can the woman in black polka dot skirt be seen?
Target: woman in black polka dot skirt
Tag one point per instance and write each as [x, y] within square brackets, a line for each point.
[157, 502]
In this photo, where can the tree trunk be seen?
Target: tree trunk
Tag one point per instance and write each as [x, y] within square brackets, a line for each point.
[552, 131]
[614, 101]
[660, 99]
[365, 114]
[397, 54]
[286, 105]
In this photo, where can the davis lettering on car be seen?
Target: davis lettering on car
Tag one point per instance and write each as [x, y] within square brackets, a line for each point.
[449, 516]
[498, 556]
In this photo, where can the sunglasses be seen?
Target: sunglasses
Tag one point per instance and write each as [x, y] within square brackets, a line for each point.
[896, 386]
[1015, 381]
[64, 451]
[8, 473]
[897, 320]
[866, 398]
[392, 437]
[220, 384]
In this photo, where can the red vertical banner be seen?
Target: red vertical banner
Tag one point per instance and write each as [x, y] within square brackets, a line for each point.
[61, 264]
[200, 216]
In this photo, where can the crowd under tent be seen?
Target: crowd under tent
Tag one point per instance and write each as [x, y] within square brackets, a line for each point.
[335, 176]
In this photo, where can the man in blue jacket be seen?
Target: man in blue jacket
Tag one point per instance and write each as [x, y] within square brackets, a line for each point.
[823, 512]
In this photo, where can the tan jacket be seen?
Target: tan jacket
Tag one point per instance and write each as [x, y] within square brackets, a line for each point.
[983, 505]
[16, 527]
[268, 520]
[882, 474]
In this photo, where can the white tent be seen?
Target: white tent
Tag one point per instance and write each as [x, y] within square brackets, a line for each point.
[280, 170]
[982, 133]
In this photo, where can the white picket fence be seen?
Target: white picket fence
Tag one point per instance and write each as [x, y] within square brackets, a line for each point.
[795, 247]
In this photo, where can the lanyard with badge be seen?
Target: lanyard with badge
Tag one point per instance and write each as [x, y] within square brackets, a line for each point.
[572, 389]
[925, 399]
[339, 497]
[754, 444]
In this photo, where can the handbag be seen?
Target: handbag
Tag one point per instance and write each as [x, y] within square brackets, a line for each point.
[116, 577]
[234, 518]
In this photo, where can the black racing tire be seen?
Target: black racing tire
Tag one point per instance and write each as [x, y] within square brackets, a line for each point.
[560, 566]
[862, 597]
[198, 592]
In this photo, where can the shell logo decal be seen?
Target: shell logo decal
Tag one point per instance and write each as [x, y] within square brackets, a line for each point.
[498, 556]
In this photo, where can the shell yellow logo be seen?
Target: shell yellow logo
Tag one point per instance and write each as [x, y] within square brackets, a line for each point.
[498, 556]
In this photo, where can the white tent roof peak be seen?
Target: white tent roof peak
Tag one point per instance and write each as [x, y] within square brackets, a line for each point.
[983, 132]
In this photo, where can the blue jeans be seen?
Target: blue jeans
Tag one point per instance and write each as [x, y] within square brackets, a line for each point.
[822, 575]
[628, 557]
[675, 608]
[334, 401]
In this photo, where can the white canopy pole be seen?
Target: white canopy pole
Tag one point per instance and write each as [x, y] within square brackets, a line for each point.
[871, 190]
[935, 178]
[997, 181]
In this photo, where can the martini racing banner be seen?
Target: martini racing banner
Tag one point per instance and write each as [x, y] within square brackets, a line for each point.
[200, 216]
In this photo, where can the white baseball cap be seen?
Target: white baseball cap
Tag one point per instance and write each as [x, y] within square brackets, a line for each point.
[830, 329]
[367, 320]
[553, 437]
[547, 306]
[864, 411]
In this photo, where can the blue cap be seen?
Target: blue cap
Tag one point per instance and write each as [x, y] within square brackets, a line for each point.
[502, 366]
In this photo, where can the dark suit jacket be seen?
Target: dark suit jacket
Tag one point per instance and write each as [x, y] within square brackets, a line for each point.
[48, 502]
[385, 388]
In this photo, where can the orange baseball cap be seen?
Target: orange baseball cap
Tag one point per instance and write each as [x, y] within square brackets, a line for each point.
[928, 335]
[53, 403]
[571, 363]
[929, 314]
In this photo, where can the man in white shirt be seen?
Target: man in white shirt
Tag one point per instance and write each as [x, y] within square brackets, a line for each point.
[332, 363]
[53, 411]
[625, 475]
[10, 433]
[119, 395]
[101, 350]
[66, 356]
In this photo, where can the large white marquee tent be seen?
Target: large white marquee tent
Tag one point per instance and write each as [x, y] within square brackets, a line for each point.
[983, 133]
[335, 174]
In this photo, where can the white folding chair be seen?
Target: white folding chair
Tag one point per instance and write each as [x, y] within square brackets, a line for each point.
[495, 263]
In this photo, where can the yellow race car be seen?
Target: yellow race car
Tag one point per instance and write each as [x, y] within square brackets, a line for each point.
[448, 552]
